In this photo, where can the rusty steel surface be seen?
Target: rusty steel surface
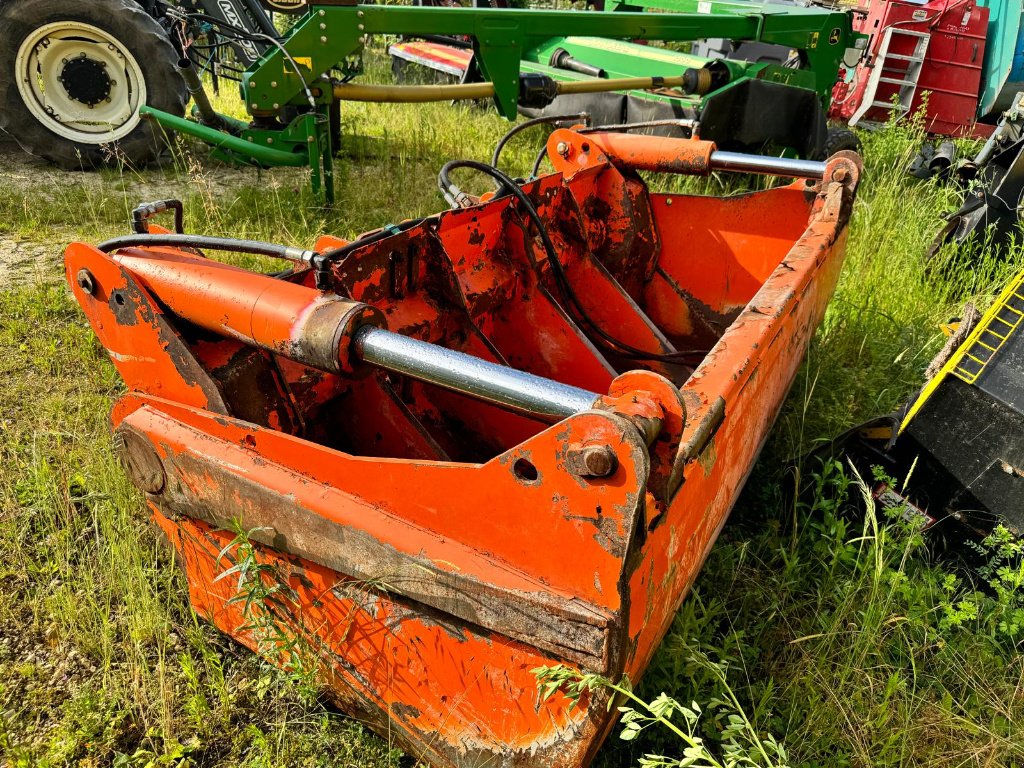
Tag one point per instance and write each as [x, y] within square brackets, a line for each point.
[431, 549]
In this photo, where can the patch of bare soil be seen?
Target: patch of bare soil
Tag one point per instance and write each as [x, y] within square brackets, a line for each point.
[24, 261]
[21, 261]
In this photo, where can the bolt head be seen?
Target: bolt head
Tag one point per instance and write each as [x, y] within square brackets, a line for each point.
[562, 148]
[591, 460]
[839, 175]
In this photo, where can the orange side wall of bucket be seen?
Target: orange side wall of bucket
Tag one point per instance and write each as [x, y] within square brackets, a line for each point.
[426, 551]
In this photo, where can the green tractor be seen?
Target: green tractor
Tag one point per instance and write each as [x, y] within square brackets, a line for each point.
[97, 80]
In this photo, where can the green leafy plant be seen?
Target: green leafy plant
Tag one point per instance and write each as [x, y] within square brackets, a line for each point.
[739, 741]
[271, 610]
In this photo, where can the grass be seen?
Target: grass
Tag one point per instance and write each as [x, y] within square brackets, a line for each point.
[848, 646]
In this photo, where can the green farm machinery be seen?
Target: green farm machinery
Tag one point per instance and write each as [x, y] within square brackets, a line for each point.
[744, 102]
[78, 78]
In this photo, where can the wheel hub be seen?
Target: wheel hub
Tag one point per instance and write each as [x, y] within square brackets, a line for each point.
[86, 80]
[80, 82]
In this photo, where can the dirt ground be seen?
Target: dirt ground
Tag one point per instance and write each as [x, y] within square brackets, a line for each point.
[21, 260]
[27, 259]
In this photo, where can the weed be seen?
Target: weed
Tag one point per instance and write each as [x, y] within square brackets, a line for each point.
[740, 743]
[271, 611]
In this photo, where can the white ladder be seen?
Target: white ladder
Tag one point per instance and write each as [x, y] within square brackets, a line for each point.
[906, 78]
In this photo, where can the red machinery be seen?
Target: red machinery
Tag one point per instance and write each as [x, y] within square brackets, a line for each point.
[936, 47]
[475, 444]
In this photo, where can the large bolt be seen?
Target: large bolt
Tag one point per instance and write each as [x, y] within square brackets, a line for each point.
[562, 148]
[591, 460]
[839, 174]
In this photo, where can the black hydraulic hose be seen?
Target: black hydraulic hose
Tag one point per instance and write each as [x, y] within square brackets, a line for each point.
[537, 163]
[583, 117]
[232, 245]
[145, 211]
[230, 30]
[321, 261]
[223, 25]
[262, 19]
[454, 195]
[344, 250]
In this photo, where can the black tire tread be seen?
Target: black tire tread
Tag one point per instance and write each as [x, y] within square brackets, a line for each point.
[838, 139]
[136, 30]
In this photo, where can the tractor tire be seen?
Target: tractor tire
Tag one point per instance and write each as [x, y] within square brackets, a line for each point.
[839, 139]
[73, 75]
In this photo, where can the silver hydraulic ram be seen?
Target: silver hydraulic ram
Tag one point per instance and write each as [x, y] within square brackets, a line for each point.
[323, 330]
[664, 154]
[766, 165]
[497, 384]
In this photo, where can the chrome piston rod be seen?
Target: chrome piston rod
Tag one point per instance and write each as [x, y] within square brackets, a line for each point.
[498, 384]
[769, 166]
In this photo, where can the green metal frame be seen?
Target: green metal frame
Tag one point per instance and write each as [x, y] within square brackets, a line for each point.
[331, 37]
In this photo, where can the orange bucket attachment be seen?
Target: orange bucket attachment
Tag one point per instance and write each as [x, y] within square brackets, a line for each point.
[465, 447]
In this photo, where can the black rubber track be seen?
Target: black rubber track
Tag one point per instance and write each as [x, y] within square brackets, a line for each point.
[137, 31]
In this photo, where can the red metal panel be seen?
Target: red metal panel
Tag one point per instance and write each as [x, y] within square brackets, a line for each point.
[952, 70]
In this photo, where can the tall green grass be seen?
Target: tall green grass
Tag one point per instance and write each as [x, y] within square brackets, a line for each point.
[845, 640]
[835, 643]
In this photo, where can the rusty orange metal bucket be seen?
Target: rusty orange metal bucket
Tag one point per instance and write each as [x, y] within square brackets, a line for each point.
[594, 368]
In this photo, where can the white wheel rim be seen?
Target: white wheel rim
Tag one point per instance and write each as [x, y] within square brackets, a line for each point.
[43, 58]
